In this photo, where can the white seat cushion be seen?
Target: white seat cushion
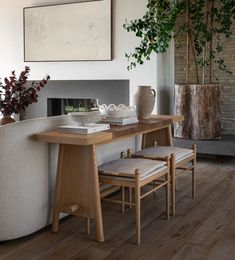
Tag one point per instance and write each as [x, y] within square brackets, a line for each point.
[163, 151]
[146, 167]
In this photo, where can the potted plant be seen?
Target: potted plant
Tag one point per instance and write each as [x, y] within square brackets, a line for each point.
[205, 23]
[15, 96]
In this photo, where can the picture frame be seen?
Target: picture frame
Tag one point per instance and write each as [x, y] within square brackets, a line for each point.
[79, 31]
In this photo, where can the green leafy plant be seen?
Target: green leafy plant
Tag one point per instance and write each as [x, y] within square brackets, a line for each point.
[206, 23]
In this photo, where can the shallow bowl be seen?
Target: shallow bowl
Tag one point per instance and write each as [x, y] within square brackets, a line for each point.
[86, 118]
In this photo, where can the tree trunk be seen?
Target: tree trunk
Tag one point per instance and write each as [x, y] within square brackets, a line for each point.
[200, 106]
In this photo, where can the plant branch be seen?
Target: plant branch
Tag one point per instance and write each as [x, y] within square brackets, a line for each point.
[188, 41]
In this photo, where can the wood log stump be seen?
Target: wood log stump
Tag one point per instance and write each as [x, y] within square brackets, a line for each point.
[200, 106]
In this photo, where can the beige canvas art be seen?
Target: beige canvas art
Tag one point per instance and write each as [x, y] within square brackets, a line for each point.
[68, 32]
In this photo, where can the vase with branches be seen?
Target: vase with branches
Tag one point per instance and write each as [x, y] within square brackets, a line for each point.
[16, 96]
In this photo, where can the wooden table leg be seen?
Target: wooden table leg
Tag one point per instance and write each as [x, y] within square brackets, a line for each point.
[55, 212]
[96, 198]
[77, 185]
[163, 136]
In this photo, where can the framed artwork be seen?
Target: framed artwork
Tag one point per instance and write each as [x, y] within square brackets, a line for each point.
[78, 31]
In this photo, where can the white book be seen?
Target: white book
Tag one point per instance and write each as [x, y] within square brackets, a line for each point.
[78, 129]
[120, 120]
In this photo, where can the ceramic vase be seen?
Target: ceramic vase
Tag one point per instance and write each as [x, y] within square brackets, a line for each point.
[6, 119]
[144, 100]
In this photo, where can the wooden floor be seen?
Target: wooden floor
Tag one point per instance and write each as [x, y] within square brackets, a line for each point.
[202, 229]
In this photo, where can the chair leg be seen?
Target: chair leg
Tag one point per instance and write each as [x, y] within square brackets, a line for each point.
[88, 226]
[55, 221]
[172, 173]
[193, 183]
[194, 172]
[168, 196]
[137, 205]
[130, 197]
[123, 199]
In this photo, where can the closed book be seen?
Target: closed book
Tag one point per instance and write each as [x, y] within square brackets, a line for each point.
[78, 129]
[120, 120]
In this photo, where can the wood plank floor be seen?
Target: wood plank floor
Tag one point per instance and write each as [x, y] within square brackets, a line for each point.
[203, 228]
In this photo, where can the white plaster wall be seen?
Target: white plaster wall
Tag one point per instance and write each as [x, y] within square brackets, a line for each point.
[11, 48]
[165, 81]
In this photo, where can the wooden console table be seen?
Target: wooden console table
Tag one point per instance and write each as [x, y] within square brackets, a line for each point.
[77, 185]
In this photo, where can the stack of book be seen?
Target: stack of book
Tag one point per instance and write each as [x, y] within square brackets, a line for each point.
[120, 120]
[79, 129]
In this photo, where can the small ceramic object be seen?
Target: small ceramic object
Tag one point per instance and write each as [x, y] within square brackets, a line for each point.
[86, 118]
[117, 111]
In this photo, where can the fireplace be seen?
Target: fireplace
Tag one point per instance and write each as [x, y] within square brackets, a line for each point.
[61, 106]
[83, 94]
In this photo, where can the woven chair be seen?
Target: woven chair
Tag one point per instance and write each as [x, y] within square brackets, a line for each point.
[134, 174]
[181, 160]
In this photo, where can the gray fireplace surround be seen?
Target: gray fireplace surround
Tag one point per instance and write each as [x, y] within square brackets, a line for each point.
[106, 91]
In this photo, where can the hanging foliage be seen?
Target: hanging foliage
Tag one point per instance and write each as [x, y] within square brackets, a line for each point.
[206, 23]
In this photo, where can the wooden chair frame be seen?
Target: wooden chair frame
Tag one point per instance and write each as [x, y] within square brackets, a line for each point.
[174, 166]
[125, 180]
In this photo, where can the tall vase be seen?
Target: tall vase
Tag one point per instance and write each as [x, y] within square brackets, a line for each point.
[144, 100]
[6, 119]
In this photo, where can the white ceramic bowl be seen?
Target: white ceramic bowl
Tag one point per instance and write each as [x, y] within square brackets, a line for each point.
[118, 111]
[86, 118]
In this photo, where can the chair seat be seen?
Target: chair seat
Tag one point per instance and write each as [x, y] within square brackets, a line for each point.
[146, 167]
[163, 151]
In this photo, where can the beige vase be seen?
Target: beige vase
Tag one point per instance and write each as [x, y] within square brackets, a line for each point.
[144, 100]
[6, 119]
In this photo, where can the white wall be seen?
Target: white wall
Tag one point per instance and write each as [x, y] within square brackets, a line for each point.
[166, 81]
[11, 47]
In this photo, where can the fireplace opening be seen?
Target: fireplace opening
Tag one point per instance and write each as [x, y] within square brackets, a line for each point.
[61, 106]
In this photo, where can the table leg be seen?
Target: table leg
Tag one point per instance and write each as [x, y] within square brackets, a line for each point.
[55, 212]
[163, 136]
[97, 201]
[77, 185]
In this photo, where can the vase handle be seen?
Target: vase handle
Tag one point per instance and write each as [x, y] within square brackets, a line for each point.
[154, 92]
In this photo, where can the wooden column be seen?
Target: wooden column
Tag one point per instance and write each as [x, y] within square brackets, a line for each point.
[200, 106]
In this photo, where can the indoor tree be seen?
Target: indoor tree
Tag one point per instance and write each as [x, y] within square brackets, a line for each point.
[206, 23]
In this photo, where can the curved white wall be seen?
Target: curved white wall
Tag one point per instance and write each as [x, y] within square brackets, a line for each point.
[11, 48]
[25, 177]
[27, 174]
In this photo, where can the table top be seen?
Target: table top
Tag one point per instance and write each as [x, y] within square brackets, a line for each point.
[115, 132]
